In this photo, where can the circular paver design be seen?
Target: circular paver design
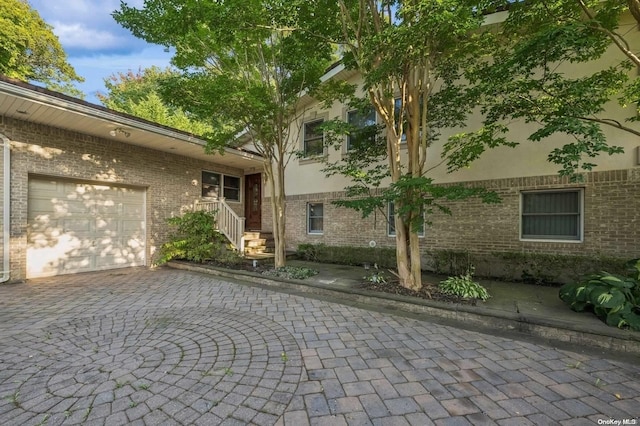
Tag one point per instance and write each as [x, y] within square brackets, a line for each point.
[154, 365]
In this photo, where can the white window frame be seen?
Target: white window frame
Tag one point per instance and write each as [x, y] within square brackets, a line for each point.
[580, 238]
[308, 216]
[222, 186]
[304, 138]
[346, 118]
[392, 233]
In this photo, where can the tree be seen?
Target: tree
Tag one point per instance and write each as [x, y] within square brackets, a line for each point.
[139, 94]
[537, 42]
[30, 51]
[408, 53]
[243, 68]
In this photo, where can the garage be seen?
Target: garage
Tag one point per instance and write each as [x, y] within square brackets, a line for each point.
[76, 226]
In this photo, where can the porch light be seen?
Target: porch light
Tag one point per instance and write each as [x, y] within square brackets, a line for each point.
[119, 131]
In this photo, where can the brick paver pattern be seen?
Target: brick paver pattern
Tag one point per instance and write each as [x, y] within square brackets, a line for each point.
[173, 347]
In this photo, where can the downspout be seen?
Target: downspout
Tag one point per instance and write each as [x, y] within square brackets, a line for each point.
[6, 209]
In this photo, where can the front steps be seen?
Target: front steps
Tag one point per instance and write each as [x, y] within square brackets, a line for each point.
[258, 243]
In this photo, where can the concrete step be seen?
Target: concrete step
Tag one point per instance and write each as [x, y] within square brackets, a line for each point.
[258, 242]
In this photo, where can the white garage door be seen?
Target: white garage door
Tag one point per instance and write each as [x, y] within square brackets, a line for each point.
[80, 227]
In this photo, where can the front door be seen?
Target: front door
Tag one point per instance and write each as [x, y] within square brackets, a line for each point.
[253, 202]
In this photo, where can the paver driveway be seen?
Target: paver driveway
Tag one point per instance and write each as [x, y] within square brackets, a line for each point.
[174, 347]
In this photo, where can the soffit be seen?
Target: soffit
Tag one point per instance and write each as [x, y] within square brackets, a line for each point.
[33, 104]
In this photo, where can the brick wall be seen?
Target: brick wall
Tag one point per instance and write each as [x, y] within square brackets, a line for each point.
[42, 150]
[611, 219]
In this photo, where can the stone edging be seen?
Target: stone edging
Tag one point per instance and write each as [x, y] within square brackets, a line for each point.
[615, 340]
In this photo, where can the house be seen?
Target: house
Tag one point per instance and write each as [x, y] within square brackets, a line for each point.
[540, 213]
[85, 188]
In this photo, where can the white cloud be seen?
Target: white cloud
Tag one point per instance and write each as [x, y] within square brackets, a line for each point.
[96, 45]
[79, 36]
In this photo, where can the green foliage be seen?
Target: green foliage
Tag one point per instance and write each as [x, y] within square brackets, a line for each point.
[348, 255]
[241, 64]
[464, 286]
[552, 268]
[30, 51]
[291, 272]
[195, 238]
[376, 276]
[140, 94]
[524, 78]
[613, 298]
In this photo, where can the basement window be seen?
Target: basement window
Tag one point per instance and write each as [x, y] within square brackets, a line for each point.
[555, 215]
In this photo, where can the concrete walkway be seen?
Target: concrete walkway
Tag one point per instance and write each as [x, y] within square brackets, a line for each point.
[177, 347]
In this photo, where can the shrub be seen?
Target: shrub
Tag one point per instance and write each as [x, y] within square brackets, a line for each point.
[613, 298]
[195, 238]
[348, 255]
[291, 272]
[464, 286]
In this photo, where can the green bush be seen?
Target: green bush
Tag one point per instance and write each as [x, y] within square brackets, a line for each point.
[613, 298]
[194, 238]
[347, 255]
[291, 272]
[464, 286]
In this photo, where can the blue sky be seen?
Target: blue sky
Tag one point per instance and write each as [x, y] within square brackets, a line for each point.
[96, 45]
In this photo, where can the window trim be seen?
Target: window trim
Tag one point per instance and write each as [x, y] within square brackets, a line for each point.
[222, 186]
[304, 139]
[389, 234]
[579, 240]
[308, 216]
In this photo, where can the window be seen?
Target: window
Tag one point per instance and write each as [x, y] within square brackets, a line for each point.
[397, 112]
[211, 183]
[315, 213]
[391, 221]
[313, 139]
[360, 120]
[231, 189]
[552, 215]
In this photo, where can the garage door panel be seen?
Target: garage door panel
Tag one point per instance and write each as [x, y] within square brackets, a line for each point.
[79, 227]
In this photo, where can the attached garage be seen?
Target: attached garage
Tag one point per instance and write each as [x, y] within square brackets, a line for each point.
[76, 226]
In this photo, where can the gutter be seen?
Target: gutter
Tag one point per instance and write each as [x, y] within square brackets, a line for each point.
[39, 95]
[6, 210]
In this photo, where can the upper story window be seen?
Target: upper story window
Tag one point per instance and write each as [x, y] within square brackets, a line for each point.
[359, 120]
[397, 112]
[391, 222]
[214, 183]
[313, 138]
[552, 215]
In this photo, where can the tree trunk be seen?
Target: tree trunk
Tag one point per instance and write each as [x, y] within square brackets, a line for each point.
[275, 180]
[279, 219]
[634, 8]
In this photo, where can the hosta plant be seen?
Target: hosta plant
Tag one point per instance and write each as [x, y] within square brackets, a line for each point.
[464, 286]
[613, 298]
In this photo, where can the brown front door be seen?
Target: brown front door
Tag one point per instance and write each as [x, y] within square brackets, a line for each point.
[253, 202]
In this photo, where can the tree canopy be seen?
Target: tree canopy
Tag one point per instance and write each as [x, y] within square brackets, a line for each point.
[409, 53]
[534, 75]
[243, 68]
[139, 93]
[30, 51]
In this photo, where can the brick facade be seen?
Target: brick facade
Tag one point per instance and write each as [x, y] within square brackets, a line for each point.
[611, 220]
[172, 182]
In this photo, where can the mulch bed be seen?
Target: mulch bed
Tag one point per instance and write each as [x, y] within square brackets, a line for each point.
[429, 291]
